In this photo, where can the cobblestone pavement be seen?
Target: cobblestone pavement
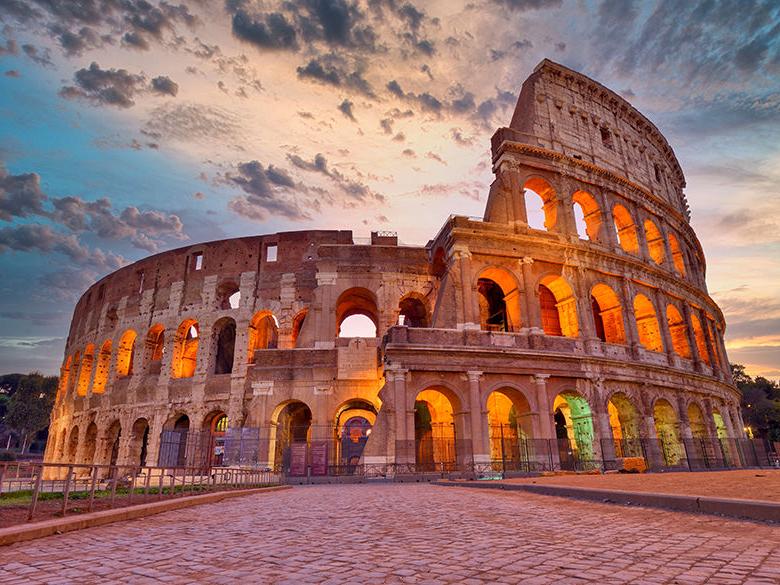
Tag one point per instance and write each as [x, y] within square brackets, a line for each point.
[404, 534]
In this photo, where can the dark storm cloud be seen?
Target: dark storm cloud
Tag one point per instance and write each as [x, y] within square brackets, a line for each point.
[114, 87]
[165, 85]
[20, 195]
[345, 108]
[265, 31]
[42, 238]
[267, 192]
[332, 70]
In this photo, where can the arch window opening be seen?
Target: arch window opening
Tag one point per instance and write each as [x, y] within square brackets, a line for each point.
[434, 431]
[292, 434]
[225, 341]
[510, 431]
[297, 326]
[101, 371]
[155, 348]
[574, 431]
[73, 445]
[677, 255]
[667, 429]
[185, 349]
[357, 314]
[175, 447]
[697, 422]
[64, 379]
[90, 444]
[85, 372]
[354, 423]
[587, 216]
[655, 242]
[263, 333]
[625, 229]
[112, 438]
[721, 431]
[74, 373]
[412, 312]
[218, 426]
[558, 307]
[607, 314]
[624, 423]
[228, 296]
[647, 324]
[541, 204]
[701, 343]
[492, 306]
[679, 332]
[139, 442]
[125, 354]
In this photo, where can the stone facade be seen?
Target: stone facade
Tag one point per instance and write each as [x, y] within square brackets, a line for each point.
[594, 329]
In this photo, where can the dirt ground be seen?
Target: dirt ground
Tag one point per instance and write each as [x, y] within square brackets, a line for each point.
[745, 484]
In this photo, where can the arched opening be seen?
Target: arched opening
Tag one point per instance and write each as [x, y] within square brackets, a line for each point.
[139, 442]
[154, 348]
[667, 428]
[125, 354]
[509, 430]
[101, 371]
[357, 302]
[696, 421]
[558, 307]
[720, 425]
[679, 332]
[624, 423]
[111, 443]
[412, 312]
[701, 343]
[677, 254]
[73, 445]
[292, 434]
[438, 263]
[434, 431]
[574, 431]
[74, 373]
[90, 444]
[297, 326]
[607, 314]
[647, 324]
[228, 296]
[185, 349]
[217, 423]
[626, 229]
[541, 204]
[722, 433]
[174, 442]
[655, 242]
[85, 372]
[587, 216]
[263, 333]
[225, 341]
[499, 300]
[354, 421]
[65, 376]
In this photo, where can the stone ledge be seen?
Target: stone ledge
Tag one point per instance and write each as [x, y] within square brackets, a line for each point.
[33, 530]
[758, 510]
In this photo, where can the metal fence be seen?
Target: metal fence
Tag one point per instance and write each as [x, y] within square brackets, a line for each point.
[51, 489]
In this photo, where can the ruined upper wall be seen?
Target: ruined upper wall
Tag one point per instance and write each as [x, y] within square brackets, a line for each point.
[565, 111]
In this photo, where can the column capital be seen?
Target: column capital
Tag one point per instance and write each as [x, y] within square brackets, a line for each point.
[474, 375]
[540, 379]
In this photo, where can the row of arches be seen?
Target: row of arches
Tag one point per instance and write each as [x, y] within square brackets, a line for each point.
[637, 236]
[607, 320]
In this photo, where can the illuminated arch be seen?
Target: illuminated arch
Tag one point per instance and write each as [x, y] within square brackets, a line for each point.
[65, 375]
[558, 307]
[499, 300]
[697, 421]
[647, 324]
[291, 423]
[297, 325]
[101, 370]
[125, 354]
[667, 428]
[624, 423]
[655, 242]
[90, 444]
[85, 372]
[263, 333]
[679, 332]
[539, 190]
[185, 349]
[701, 342]
[434, 428]
[154, 346]
[413, 311]
[509, 425]
[591, 215]
[573, 428]
[357, 301]
[607, 314]
[626, 229]
[677, 254]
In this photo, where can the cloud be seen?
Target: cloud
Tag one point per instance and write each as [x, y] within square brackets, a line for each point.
[331, 70]
[20, 195]
[114, 87]
[524, 5]
[40, 57]
[74, 43]
[265, 189]
[355, 190]
[42, 238]
[192, 122]
[345, 108]
[264, 31]
[165, 86]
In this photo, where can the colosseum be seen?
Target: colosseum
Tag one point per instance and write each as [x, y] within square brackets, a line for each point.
[577, 341]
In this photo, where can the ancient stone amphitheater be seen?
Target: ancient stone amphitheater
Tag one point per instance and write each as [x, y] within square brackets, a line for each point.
[577, 341]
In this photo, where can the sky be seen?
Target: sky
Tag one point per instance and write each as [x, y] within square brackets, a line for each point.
[129, 127]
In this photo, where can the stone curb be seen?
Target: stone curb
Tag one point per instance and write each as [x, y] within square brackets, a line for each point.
[747, 509]
[31, 531]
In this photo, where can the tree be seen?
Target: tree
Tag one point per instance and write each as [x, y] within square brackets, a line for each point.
[760, 403]
[30, 405]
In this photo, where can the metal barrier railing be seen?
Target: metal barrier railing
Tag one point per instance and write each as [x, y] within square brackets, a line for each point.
[114, 486]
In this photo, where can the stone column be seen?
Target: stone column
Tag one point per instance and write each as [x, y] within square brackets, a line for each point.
[653, 442]
[629, 318]
[606, 441]
[325, 317]
[641, 237]
[155, 432]
[691, 337]
[669, 259]
[480, 448]
[533, 312]
[685, 422]
[709, 419]
[547, 447]
[470, 312]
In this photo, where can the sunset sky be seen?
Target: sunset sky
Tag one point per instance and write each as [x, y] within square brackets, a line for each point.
[130, 127]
